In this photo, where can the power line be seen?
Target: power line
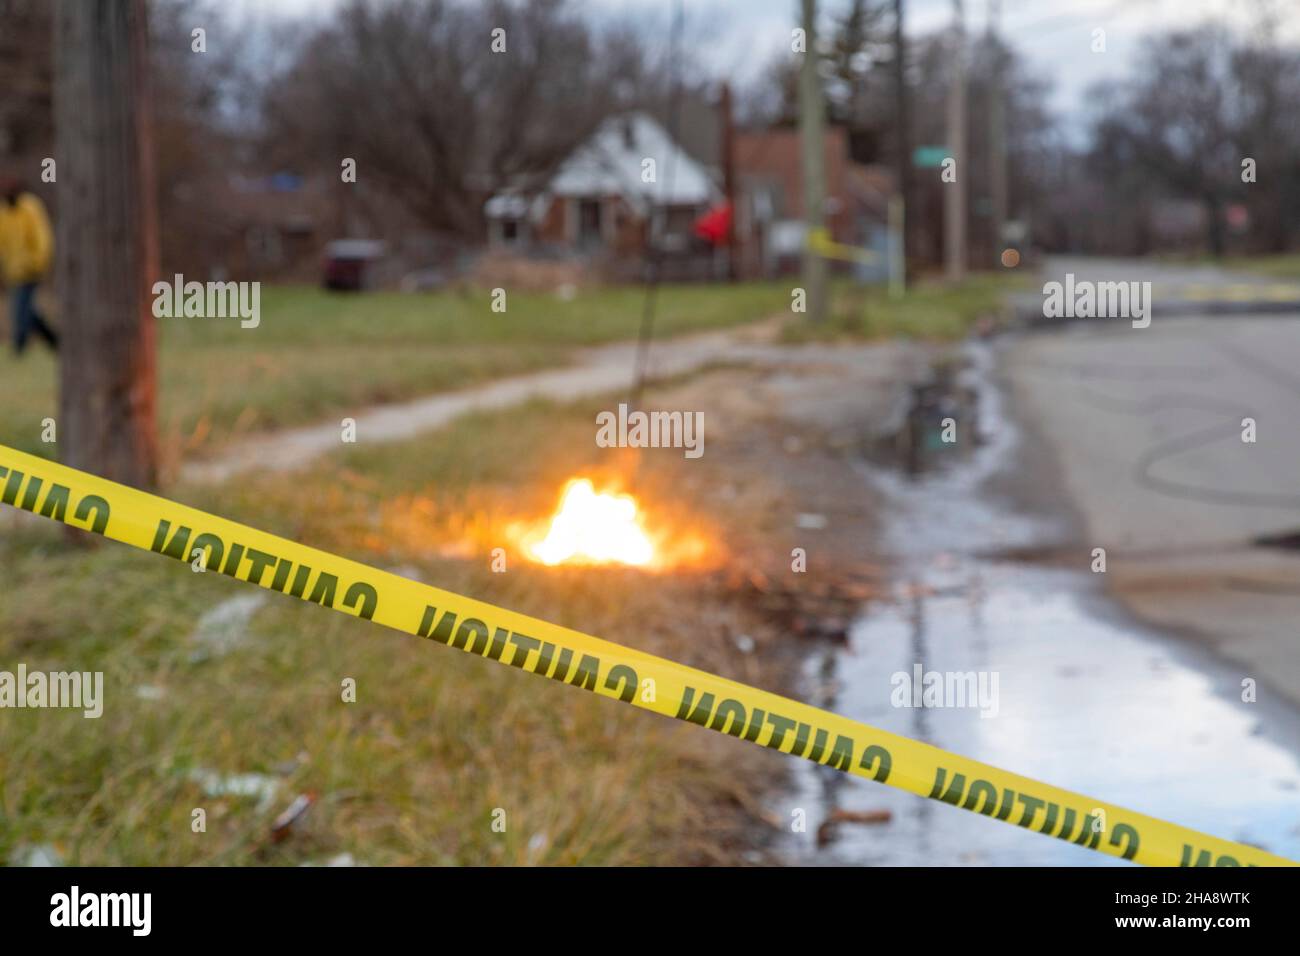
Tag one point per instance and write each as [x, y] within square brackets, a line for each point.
[1073, 21]
[651, 264]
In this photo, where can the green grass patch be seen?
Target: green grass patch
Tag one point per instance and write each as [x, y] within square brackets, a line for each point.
[930, 310]
[1285, 266]
[317, 354]
[437, 745]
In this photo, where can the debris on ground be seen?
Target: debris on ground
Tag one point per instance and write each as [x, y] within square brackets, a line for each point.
[41, 854]
[225, 626]
[283, 824]
[829, 827]
[341, 859]
[257, 785]
[820, 610]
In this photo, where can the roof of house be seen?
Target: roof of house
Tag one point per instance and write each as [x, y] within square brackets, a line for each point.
[610, 162]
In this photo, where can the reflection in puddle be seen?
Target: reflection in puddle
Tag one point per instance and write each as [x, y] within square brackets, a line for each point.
[1087, 700]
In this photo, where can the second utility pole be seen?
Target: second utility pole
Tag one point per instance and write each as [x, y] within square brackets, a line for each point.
[997, 135]
[954, 206]
[813, 163]
[902, 118]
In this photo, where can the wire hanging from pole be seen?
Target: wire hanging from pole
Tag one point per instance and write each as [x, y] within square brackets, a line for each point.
[646, 334]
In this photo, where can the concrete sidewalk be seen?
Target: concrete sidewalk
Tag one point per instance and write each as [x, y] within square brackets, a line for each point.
[601, 370]
[605, 370]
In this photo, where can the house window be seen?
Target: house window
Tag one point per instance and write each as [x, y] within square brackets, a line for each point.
[507, 231]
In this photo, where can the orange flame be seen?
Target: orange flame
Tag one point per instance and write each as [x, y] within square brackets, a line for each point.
[592, 527]
[594, 524]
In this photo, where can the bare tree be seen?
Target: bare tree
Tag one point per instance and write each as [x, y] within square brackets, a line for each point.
[857, 56]
[855, 61]
[440, 108]
[107, 240]
[1267, 75]
[25, 77]
[812, 163]
[1175, 122]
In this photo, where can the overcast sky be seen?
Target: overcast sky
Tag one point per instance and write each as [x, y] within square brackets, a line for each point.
[1054, 36]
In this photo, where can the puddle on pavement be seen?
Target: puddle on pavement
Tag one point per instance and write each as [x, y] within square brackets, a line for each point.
[1087, 700]
[940, 426]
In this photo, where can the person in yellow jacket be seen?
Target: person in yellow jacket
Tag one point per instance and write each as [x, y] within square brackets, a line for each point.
[26, 250]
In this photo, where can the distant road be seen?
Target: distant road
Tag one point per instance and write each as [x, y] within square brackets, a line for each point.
[1177, 289]
[1147, 427]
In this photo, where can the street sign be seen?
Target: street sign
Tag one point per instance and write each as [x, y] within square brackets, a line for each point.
[929, 157]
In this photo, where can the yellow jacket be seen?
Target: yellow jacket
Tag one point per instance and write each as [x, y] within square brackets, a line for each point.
[26, 240]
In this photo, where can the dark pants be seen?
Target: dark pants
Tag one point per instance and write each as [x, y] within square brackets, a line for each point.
[27, 320]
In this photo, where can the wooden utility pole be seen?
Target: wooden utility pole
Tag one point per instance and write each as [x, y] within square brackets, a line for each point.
[954, 206]
[107, 240]
[729, 177]
[812, 119]
[997, 135]
[903, 119]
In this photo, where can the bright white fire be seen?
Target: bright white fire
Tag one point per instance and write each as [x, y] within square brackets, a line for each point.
[592, 527]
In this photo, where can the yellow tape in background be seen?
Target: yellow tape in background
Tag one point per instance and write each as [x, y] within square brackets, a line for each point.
[560, 654]
[820, 242]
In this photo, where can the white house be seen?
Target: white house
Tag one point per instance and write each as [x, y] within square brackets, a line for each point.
[628, 185]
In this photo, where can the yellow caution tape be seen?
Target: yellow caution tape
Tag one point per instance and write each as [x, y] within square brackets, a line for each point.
[820, 242]
[570, 657]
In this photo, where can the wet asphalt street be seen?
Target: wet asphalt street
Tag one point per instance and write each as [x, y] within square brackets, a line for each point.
[1091, 695]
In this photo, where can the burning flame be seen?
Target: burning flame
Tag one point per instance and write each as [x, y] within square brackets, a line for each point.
[592, 527]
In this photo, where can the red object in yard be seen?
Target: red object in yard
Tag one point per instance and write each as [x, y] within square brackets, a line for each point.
[1237, 216]
[715, 225]
[348, 264]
